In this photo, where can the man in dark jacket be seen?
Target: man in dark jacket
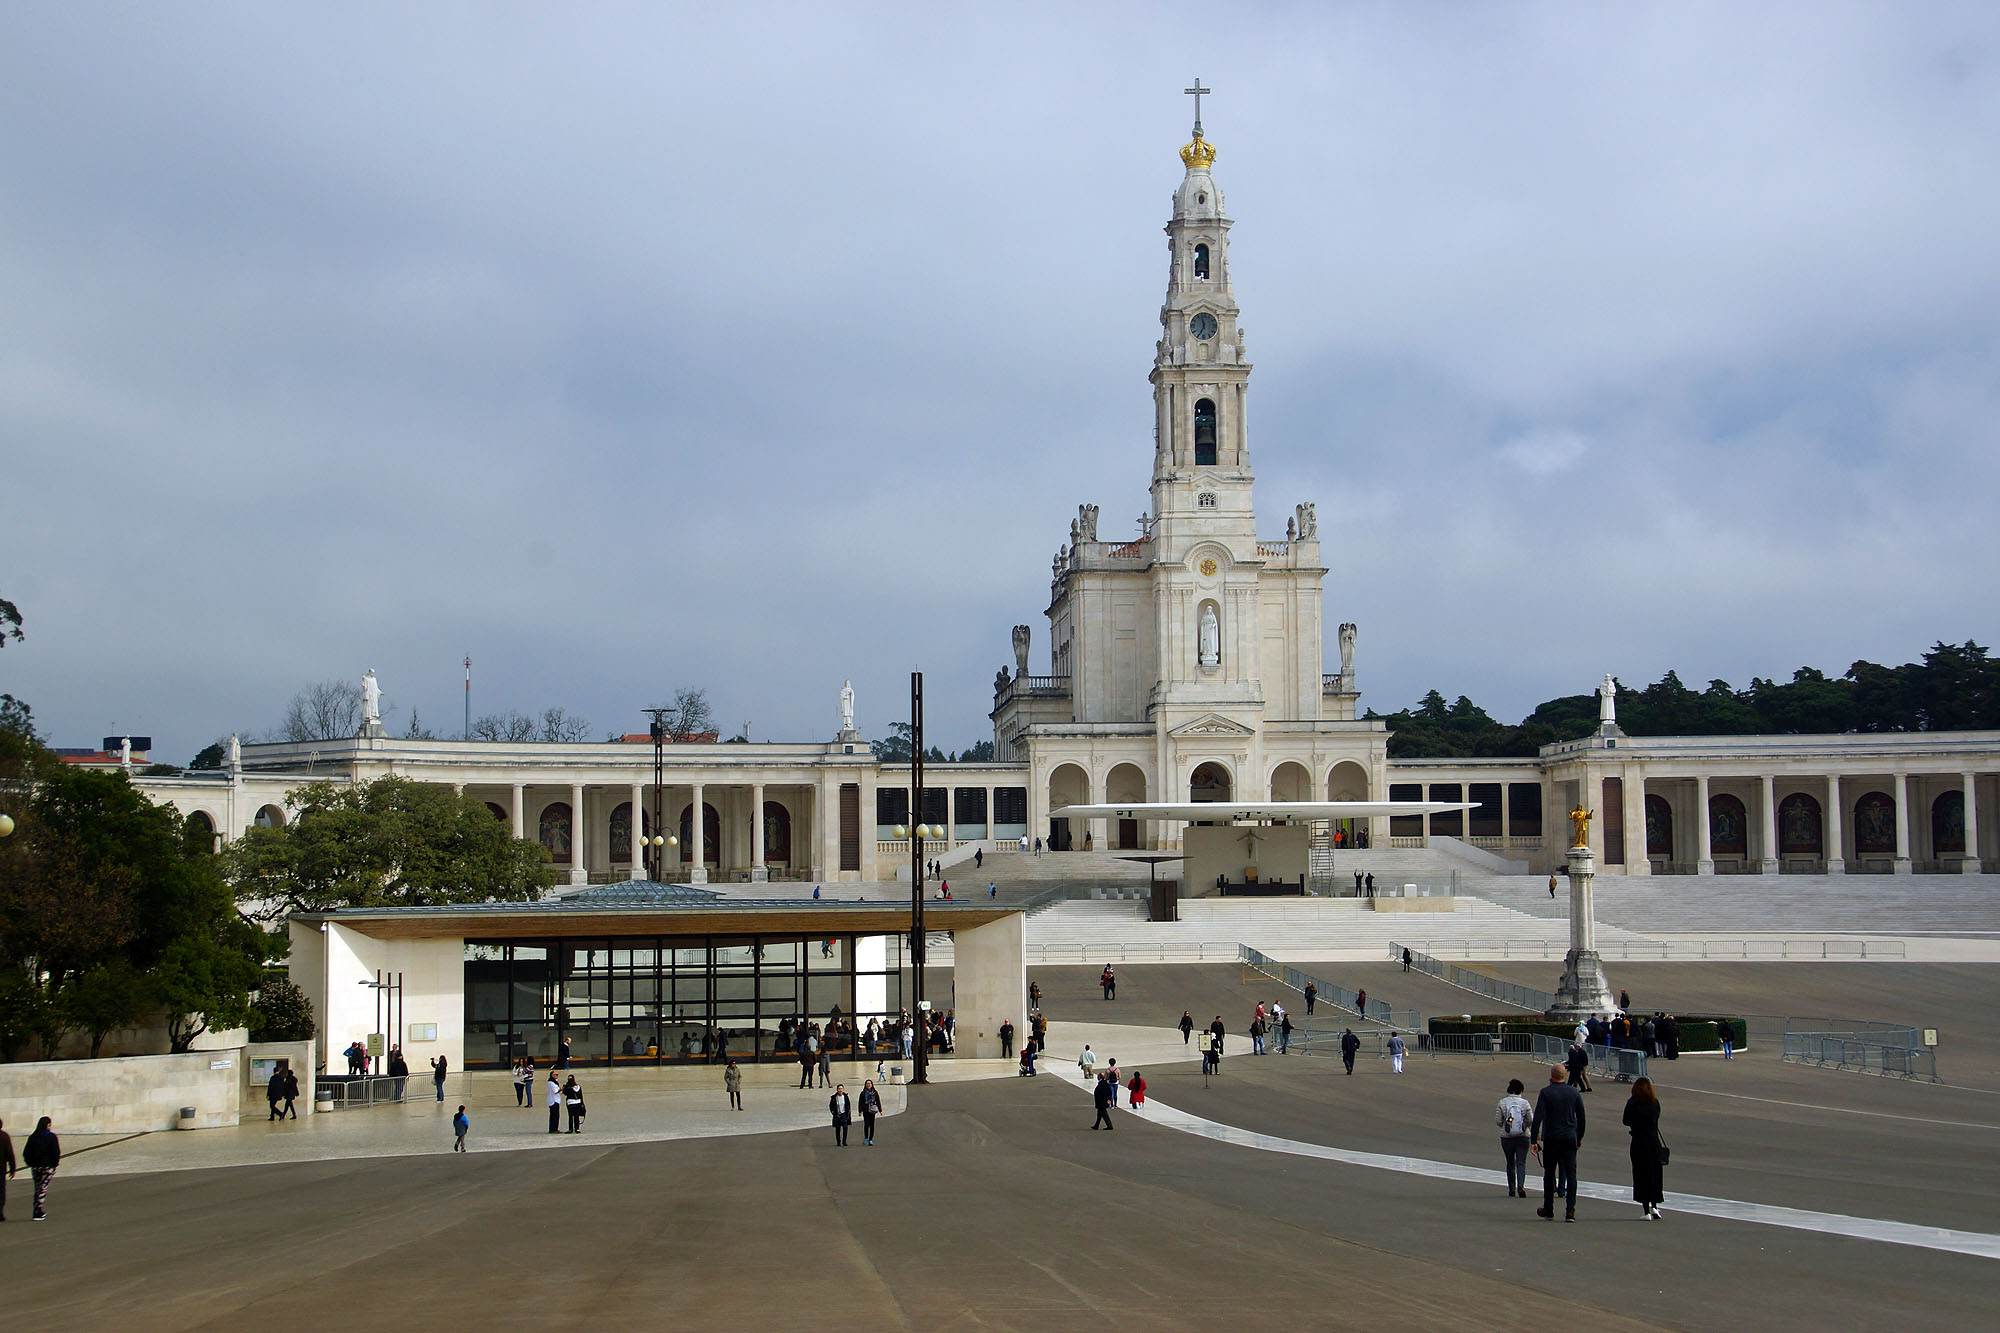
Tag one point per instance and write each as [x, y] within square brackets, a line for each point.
[1106, 1097]
[1558, 1130]
[8, 1168]
[1578, 1065]
[274, 1092]
[42, 1153]
[1007, 1040]
[1349, 1044]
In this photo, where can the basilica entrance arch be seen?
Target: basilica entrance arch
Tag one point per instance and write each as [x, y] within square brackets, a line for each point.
[1291, 782]
[1125, 784]
[1348, 781]
[1210, 782]
[1068, 785]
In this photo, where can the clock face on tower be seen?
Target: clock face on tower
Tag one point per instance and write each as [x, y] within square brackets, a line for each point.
[1202, 326]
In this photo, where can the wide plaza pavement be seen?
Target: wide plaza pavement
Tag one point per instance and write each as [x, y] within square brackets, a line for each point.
[989, 1203]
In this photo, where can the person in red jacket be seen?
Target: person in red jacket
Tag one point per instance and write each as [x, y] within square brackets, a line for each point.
[1136, 1087]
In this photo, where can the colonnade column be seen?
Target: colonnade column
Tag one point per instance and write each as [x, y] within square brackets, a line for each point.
[1902, 823]
[697, 854]
[1971, 865]
[1767, 850]
[1635, 823]
[579, 864]
[520, 815]
[635, 841]
[758, 873]
[1704, 856]
[1836, 842]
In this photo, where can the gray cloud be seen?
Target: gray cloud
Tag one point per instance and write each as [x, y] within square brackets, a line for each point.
[763, 347]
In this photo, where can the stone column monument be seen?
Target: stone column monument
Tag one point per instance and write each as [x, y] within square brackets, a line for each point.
[1584, 990]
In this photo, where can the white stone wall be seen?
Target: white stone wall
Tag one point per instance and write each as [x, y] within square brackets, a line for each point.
[123, 1095]
[989, 983]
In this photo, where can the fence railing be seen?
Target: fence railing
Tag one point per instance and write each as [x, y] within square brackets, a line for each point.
[1050, 955]
[1339, 997]
[1640, 951]
[341, 1094]
[1617, 1063]
[1492, 988]
[1854, 1051]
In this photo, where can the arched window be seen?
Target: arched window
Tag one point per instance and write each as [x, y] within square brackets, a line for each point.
[497, 811]
[621, 833]
[1659, 827]
[1209, 782]
[1204, 433]
[554, 829]
[1875, 825]
[778, 833]
[711, 834]
[1798, 826]
[1728, 826]
[1201, 262]
[1948, 824]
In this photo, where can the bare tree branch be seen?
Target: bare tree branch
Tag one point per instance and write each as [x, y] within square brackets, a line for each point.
[324, 711]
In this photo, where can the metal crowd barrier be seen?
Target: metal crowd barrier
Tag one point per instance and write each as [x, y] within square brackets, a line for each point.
[1617, 1063]
[1506, 992]
[341, 1094]
[1339, 997]
[1857, 1052]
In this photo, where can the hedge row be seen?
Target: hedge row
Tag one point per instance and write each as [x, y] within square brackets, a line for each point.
[1697, 1030]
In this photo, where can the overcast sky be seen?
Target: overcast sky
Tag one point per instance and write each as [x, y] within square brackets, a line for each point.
[627, 347]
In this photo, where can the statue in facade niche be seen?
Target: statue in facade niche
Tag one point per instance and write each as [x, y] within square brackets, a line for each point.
[1211, 637]
[1021, 636]
[1308, 520]
[1086, 522]
[1347, 648]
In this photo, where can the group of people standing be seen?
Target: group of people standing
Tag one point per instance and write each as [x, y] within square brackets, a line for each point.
[1552, 1131]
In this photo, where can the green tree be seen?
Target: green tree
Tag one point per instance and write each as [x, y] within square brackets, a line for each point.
[284, 1013]
[386, 843]
[203, 981]
[111, 995]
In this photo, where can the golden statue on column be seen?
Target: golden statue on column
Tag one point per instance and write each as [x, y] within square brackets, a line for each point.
[1579, 822]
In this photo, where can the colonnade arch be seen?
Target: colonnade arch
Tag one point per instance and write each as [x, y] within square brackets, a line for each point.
[1069, 784]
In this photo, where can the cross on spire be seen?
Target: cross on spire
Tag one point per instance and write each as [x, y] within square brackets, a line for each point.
[1197, 92]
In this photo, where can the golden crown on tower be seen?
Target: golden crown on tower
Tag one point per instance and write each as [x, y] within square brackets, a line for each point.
[1200, 153]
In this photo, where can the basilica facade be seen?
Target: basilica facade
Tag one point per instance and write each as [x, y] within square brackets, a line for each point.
[1185, 661]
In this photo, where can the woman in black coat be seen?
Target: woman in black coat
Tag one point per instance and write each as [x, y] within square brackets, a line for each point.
[1642, 1117]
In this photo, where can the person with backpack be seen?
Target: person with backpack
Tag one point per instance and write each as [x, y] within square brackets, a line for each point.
[1514, 1115]
[460, 1126]
[1312, 994]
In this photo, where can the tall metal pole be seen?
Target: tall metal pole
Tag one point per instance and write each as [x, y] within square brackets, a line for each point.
[657, 856]
[917, 876]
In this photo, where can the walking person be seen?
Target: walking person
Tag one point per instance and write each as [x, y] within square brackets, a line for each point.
[1396, 1049]
[871, 1106]
[562, 1054]
[573, 1102]
[1136, 1091]
[1725, 1036]
[1186, 1025]
[1371, 886]
[732, 1083]
[842, 1111]
[274, 1092]
[460, 1125]
[9, 1168]
[1552, 893]
[438, 1067]
[43, 1153]
[1649, 1151]
[291, 1109]
[1109, 981]
[1406, 960]
[1349, 1045]
[1106, 1096]
[1557, 1130]
[1087, 1062]
[1312, 993]
[1361, 1003]
[1578, 1065]
[1514, 1115]
[825, 1066]
[555, 1098]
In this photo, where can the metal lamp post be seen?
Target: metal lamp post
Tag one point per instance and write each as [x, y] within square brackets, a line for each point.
[917, 836]
[656, 854]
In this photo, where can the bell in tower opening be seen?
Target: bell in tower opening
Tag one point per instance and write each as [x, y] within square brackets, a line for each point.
[1204, 433]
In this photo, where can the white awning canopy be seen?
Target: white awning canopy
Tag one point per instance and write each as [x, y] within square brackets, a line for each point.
[1262, 812]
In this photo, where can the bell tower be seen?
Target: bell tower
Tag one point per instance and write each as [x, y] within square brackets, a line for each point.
[1201, 371]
